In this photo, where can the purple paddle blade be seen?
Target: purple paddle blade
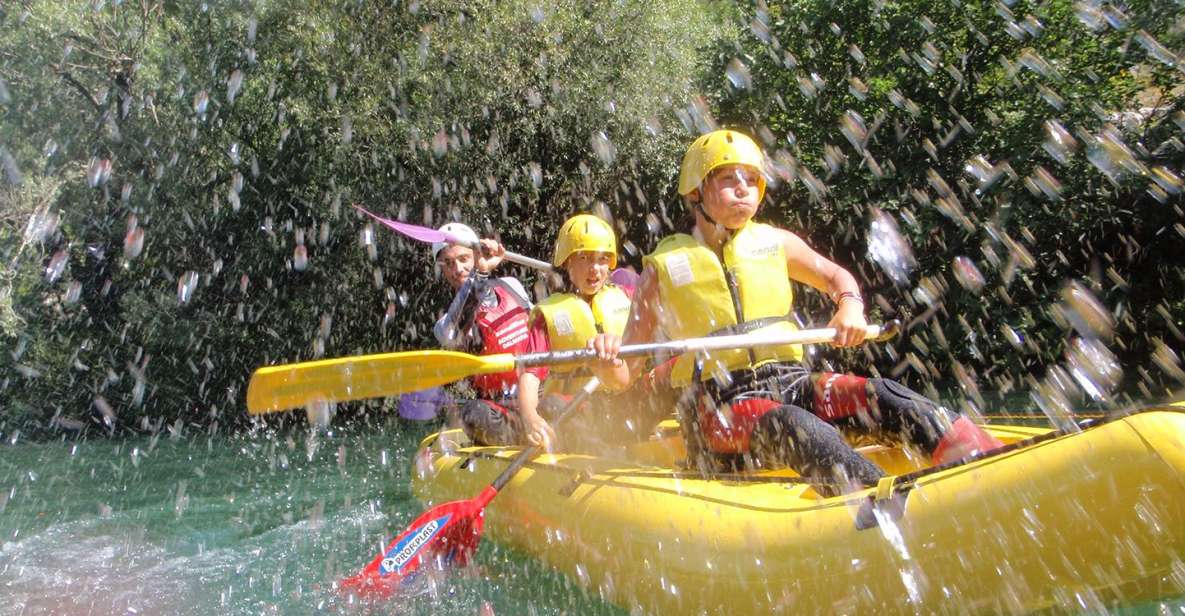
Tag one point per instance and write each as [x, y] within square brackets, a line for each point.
[416, 232]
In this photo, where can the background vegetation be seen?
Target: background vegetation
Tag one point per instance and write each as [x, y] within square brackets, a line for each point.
[177, 178]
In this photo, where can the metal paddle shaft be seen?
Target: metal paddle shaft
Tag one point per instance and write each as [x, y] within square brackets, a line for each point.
[876, 333]
[276, 388]
[525, 456]
[445, 535]
[426, 234]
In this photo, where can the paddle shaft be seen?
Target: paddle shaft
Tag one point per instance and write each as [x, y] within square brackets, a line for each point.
[509, 256]
[525, 455]
[430, 235]
[875, 333]
[275, 388]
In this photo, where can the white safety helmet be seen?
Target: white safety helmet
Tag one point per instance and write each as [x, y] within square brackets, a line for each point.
[462, 232]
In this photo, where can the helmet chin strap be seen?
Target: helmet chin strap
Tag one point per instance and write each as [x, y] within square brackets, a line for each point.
[699, 206]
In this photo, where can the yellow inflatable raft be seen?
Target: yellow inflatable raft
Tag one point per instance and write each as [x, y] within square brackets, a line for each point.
[1068, 521]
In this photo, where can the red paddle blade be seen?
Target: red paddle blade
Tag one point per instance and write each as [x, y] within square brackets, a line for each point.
[444, 536]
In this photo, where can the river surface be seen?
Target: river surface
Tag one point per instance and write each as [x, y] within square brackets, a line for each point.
[245, 524]
[264, 523]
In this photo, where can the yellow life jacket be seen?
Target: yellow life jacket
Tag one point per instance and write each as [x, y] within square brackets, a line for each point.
[572, 322]
[697, 300]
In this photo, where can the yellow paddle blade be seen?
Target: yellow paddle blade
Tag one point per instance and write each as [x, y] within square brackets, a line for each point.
[277, 388]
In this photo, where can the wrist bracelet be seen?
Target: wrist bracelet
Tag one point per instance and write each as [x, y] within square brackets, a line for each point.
[848, 295]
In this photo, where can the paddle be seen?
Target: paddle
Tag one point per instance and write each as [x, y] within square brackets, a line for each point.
[445, 535]
[277, 388]
[426, 234]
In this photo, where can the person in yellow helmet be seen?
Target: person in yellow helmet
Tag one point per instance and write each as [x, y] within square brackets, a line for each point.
[726, 273]
[586, 254]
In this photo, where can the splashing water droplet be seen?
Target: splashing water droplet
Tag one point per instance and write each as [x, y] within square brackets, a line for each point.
[807, 88]
[186, 285]
[889, 249]
[535, 170]
[366, 238]
[1054, 99]
[852, 126]
[1167, 180]
[968, 274]
[233, 83]
[133, 243]
[1094, 367]
[1156, 50]
[834, 158]
[1033, 26]
[1115, 17]
[984, 172]
[1014, 339]
[440, 143]
[738, 74]
[857, 88]
[1059, 143]
[42, 224]
[1111, 156]
[300, 258]
[1033, 61]
[347, 130]
[98, 172]
[73, 293]
[1055, 395]
[1166, 359]
[1042, 182]
[57, 265]
[856, 54]
[1085, 313]
[759, 26]
[201, 101]
[604, 149]
[1090, 15]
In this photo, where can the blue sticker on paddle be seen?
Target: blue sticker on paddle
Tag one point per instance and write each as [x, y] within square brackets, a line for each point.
[409, 546]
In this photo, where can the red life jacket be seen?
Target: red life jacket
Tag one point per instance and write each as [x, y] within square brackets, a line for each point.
[503, 328]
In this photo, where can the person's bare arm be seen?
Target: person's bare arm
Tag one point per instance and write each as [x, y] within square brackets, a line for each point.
[537, 430]
[641, 328]
[809, 267]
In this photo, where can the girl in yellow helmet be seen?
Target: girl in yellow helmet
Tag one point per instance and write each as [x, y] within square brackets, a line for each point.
[730, 274]
[586, 253]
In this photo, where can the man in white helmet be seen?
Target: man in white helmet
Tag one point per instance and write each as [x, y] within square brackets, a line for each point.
[487, 316]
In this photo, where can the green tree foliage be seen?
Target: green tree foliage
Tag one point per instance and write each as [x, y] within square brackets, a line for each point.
[177, 177]
[184, 172]
[1041, 140]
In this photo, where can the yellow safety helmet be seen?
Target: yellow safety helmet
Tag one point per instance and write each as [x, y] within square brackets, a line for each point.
[716, 149]
[585, 233]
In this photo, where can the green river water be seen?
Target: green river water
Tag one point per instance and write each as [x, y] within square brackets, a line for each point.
[247, 524]
[220, 524]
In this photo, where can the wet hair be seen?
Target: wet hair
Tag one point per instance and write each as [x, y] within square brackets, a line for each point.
[560, 281]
